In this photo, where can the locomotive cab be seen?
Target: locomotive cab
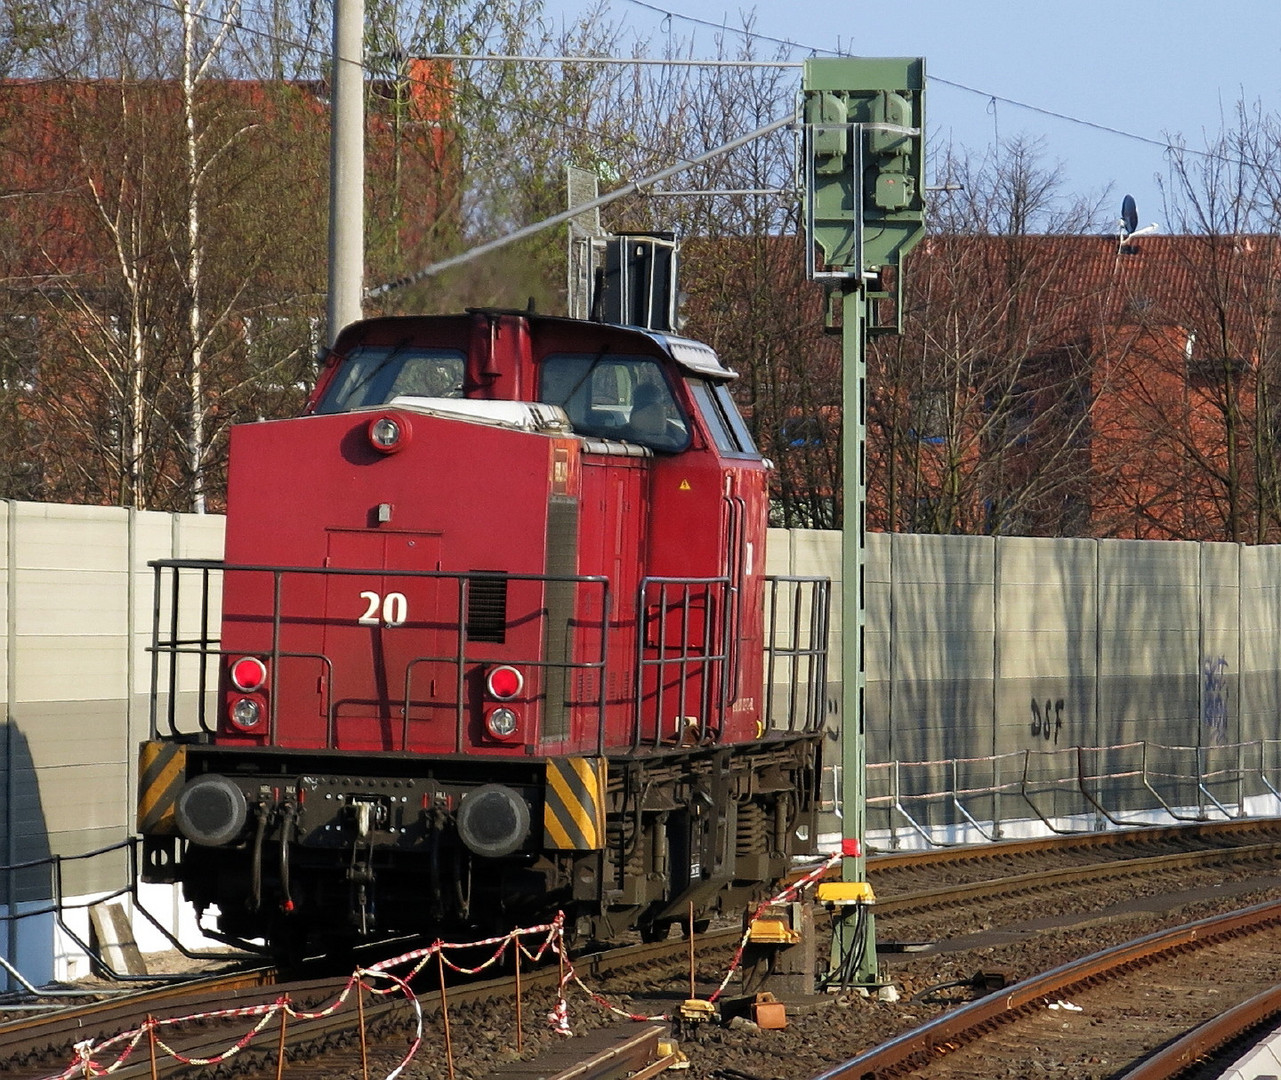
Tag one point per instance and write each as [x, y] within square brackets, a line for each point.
[492, 644]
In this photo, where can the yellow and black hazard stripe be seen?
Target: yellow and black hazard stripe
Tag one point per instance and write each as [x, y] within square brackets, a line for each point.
[574, 806]
[162, 769]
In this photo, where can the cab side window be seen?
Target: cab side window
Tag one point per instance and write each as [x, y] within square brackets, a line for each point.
[724, 422]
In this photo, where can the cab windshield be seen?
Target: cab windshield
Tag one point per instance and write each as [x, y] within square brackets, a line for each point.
[615, 397]
[374, 374]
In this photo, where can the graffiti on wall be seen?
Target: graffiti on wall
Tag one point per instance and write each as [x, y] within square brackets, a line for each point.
[1047, 719]
[1214, 699]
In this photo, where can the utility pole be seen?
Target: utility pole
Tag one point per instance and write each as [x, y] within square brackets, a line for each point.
[346, 168]
[864, 165]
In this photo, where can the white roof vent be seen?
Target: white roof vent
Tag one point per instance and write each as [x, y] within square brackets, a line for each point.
[518, 415]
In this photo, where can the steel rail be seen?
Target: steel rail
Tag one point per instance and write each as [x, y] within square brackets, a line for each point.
[103, 1020]
[943, 1034]
[98, 1019]
[108, 1017]
[1215, 831]
[1104, 871]
[1209, 1037]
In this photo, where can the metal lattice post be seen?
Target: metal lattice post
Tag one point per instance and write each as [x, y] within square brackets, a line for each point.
[864, 172]
[854, 930]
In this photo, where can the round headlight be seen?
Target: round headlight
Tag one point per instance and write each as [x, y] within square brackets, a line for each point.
[504, 683]
[502, 723]
[248, 674]
[387, 434]
[245, 713]
[493, 820]
[211, 810]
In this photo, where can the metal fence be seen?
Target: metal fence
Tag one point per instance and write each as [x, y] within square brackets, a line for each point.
[1079, 789]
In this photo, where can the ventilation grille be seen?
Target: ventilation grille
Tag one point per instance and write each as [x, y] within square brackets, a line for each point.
[487, 609]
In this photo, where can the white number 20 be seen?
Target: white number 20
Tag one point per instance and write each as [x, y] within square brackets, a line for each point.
[394, 609]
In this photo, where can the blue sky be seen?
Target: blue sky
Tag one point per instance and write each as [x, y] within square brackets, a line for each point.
[1149, 68]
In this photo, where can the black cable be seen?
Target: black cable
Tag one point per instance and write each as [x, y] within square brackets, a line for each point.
[254, 900]
[852, 956]
[926, 996]
[286, 834]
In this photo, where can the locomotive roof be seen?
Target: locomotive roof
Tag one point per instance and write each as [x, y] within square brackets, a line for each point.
[692, 355]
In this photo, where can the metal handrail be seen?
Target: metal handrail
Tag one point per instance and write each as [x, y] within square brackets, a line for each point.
[1250, 770]
[59, 905]
[957, 792]
[1103, 811]
[807, 651]
[707, 657]
[208, 646]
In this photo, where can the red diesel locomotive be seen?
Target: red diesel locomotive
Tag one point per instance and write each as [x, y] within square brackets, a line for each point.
[492, 638]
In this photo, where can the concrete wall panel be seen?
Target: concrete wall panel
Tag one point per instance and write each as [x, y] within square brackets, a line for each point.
[74, 643]
[1258, 687]
[70, 669]
[58, 732]
[74, 603]
[57, 537]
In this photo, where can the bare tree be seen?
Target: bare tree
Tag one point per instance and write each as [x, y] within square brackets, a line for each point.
[978, 414]
[167, 219]
[199, 50]
[1220, 434]
[131, 256]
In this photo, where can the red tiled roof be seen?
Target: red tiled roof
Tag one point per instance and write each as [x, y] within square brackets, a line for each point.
[1076, 283]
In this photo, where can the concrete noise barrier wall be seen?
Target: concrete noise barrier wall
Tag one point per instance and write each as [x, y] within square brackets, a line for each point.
[75, 623]
[982, 648]
[978, 649]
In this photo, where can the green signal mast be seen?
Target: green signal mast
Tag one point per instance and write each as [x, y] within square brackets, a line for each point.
[864, 174]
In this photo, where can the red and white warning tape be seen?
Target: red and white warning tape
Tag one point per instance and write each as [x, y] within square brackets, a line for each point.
[791, 892]
[96, 1058]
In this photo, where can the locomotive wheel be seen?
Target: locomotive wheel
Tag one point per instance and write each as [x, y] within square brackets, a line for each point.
[655, 931]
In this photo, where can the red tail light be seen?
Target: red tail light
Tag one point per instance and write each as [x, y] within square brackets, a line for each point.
[248, 674]
[504, 683]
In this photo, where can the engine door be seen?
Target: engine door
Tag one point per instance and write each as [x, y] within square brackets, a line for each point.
[391, 641]
[615, 510]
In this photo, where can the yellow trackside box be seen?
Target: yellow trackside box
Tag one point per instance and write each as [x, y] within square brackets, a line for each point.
[844, 893]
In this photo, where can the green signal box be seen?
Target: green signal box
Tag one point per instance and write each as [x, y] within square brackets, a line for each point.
[864, 162]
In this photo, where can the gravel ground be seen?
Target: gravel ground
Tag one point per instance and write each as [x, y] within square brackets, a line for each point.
[818, 1040]
[1024, 936]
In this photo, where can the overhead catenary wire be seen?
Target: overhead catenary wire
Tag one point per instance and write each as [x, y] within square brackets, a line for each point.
[630, 61]
[811, 50]
[636, 187]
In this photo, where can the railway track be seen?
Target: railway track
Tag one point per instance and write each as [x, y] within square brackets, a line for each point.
[1147, 991]
[46, 1040]
[976, 917]
[358, 1030]
[963, 909]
